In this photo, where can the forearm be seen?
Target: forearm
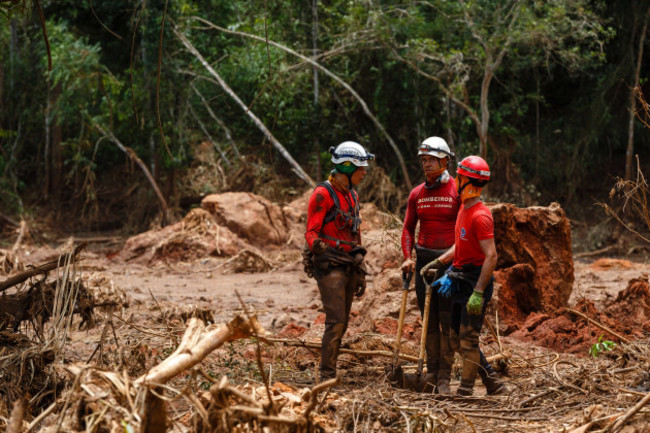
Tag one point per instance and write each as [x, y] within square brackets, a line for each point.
[486, 273]
[448, 256]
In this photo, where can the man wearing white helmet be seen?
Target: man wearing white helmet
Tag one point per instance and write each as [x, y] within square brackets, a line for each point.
[334, 255]
[434, 204]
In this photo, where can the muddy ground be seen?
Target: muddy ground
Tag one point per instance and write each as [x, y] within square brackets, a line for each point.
[554, 384]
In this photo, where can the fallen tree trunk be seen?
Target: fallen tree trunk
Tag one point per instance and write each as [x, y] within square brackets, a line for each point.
[41, 269]
[196, 345]
[135, 158]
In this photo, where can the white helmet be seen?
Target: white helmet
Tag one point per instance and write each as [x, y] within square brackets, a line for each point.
[435, 146]
[351, 151]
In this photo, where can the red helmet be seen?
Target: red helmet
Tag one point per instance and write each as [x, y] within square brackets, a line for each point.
[474, 167]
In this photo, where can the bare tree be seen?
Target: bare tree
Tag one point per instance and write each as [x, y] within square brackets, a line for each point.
[637, 73]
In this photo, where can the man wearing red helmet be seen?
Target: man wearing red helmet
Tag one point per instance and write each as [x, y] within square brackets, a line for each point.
[469, 281]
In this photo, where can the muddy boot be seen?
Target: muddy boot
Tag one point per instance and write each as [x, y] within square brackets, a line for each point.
[443, 386]
[429, 385]
[464, 390]
[489, 377]
[330, 350]
[494, 385]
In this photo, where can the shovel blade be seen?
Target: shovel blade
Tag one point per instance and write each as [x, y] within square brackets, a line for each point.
[395, 375]
[424, 383]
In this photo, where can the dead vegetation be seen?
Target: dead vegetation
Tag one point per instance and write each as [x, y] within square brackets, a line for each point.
[160, 365]
[189, 375]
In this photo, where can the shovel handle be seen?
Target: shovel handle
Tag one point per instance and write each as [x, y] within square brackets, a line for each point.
[406, 278]
[425, 327]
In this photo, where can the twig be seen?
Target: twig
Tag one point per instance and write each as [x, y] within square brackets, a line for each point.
[135, 158]
[317, 345]
[9, 220]
[40, 417]
[316, 390]
[40, 269]
[595, 253]
[621, 420]
[603, 327]
[21, 235]
[535, 397]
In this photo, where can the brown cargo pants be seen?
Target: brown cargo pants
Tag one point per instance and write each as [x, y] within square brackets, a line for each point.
[337, 289]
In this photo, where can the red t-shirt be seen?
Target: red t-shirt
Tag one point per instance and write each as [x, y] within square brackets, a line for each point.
[436, 209]
[320, 203]
[473, 225]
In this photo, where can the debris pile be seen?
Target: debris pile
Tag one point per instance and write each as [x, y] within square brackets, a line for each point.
[624, 319]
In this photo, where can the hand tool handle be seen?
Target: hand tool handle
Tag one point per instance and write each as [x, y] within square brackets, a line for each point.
[406, 278]
[425, 327]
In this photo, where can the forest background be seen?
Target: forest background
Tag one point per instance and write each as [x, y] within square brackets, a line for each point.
[108, 109]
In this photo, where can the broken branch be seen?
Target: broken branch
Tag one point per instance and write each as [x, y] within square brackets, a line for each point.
[279, 147]
[196, 345]
[41, 269]
[603, 327]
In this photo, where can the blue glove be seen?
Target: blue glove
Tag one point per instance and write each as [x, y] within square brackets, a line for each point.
[444, 286]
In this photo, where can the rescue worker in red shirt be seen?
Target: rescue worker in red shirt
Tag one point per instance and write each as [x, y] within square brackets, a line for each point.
[434, 204]
[333, 254]
[469, 281]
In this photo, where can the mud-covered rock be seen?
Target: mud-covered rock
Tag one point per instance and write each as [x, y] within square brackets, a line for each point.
[251, 217]
[381, 305]
[632, 305]
[535, 265]
[197, 235]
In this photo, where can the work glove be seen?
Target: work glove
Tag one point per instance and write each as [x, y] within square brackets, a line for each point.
[444, 286]
[319, 246]
[430, 269]
[475, 303]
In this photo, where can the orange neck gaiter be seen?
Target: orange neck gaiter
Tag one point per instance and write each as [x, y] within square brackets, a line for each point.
[467, 190]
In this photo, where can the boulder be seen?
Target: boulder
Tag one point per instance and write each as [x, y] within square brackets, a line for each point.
[196, 236]
[534, 271]
[631, 308]
[381, 303]
[251, 217]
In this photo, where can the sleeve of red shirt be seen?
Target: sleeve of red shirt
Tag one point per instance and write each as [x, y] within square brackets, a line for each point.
[319, 203]
[484, 226]
[410, 221]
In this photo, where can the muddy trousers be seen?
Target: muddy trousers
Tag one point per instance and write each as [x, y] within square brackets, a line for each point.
[450, 343]
[337, 292]
[434, 341]
[464, 332]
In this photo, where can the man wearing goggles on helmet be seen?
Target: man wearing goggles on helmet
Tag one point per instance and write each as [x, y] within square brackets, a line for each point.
[434, 204]
[333, 254]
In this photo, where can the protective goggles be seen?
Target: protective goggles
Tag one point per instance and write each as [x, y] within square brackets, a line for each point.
[425, 148]
[485, 173]
[367, 157]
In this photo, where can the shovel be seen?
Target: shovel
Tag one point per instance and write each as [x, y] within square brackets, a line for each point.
[420, 382]
[396, 373]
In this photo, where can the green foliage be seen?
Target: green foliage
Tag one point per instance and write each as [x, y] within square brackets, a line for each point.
[554, 102]
[601, 346]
